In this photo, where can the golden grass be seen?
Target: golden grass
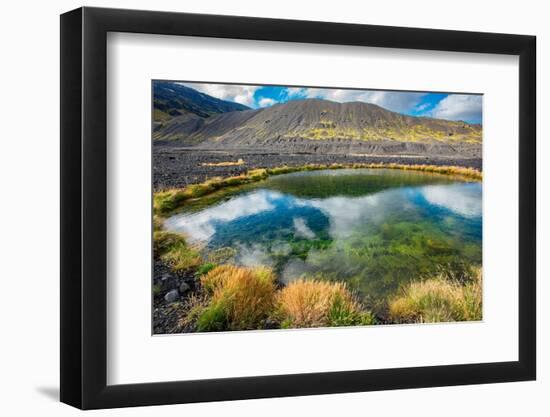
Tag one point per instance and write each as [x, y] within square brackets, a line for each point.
[257, 174]
[439, 300]
[158, 223]
[241, 298]
[172, 249]
[224, 163]
[167, 201]
[313, 303]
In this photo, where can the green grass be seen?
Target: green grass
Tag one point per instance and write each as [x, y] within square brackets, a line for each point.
[174, 250]
[205, 268]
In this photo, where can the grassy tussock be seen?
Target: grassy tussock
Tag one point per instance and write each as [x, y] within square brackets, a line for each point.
[241, 298]
[194, 305]
[158, 223]
[172, 249]
[312, 303]
[223, 164]
[167, 201]
[439, 300]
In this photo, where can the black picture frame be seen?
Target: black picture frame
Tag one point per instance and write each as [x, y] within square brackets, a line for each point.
[84, 207]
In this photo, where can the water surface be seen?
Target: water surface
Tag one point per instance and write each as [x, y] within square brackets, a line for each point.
[375, 229]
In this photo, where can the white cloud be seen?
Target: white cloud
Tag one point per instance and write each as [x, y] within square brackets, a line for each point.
[460, 199]
[252, 256]
[453, 107]
[296, 92]
[391, 100]
[302, 229]
[243, 94]
[201, 226]
[422, 107]
[266, 102]
[459, 107]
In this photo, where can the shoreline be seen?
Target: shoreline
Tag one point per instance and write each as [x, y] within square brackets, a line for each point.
[166, 201]
[179, 167]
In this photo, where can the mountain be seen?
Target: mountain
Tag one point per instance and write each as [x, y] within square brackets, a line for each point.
[173, 102]
[186, 117]
[316, 119]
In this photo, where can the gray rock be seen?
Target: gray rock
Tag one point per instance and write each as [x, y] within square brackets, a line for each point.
[171, 296]
[184, 287]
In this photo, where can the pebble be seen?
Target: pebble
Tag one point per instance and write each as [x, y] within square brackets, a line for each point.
[171, 296]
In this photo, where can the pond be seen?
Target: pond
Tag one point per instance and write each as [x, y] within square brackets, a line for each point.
[375, 229]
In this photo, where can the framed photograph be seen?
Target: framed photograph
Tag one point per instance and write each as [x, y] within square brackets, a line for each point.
[257, 208]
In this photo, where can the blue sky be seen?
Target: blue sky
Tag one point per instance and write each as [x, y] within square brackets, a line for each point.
[439, 105]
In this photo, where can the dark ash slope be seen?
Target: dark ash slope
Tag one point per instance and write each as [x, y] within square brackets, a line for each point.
[325, 126]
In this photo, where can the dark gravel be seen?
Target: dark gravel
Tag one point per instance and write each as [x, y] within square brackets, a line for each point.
[166, 315]
[177, 167]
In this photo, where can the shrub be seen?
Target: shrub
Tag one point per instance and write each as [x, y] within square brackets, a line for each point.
[438, 300]
[241, 298]
[313, 303]
[172, 248]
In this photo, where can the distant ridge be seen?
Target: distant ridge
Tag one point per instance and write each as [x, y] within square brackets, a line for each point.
[173, 100]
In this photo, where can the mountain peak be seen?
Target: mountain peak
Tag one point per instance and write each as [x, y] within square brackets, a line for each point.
[310, 120]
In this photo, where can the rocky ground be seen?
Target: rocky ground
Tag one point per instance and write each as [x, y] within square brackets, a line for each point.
[170, 290]
[177, 167]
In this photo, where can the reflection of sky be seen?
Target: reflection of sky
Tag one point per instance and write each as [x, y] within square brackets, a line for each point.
[266, 212]
[346, 214]
[260, 224]
[302, 229]
[201, 226]
[462, 199]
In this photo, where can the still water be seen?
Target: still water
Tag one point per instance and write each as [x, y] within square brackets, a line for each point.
[375, 229]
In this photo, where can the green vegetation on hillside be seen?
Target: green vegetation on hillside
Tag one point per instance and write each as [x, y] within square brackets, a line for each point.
[310, 119]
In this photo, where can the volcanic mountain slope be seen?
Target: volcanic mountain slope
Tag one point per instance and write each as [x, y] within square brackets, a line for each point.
[318, 120]
[185, 107]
